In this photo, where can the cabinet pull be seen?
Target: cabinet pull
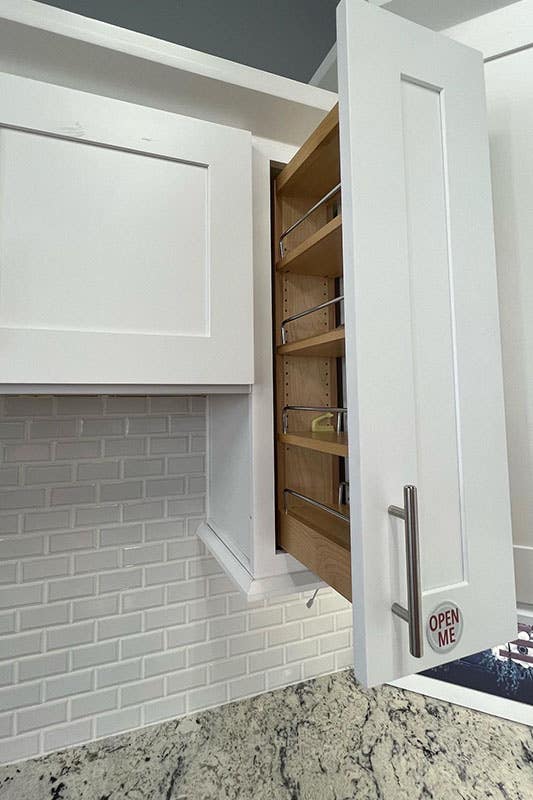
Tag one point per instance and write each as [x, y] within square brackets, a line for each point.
[305, 313]
[307, 214]
[314, 503]
[286, 409]
[413, 613]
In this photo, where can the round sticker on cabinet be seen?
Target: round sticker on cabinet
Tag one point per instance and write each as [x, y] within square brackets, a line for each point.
[444, 627]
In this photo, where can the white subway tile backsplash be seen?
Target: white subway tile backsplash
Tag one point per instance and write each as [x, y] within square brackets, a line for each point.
[97, 515]
[117, 721]
[118, 626]
[46, 521]
[147, 554]
[205, 653]
[21, 546]
[207, 696]
[125, 534]
[15, 596]
[8, 572]
[20, 747]
[19, 696]
[126, 404]
[318, 666]
[164, 487]
[7, 623]
[69, 495]
[67, 735]
[167, 444]
[27, 406]
[41, 716]
[6, 725]
[98, 470]
[21, 498]
[169, 405]
[77, 540]
[80, 405]
[133, 646]
[22, 644]
[94, 703]
[120, 580]
[94, 654]
[163, 663]
[145, 425]
[122, 490]
[26, 452]
[186, 634]
[12, 430]
[164, 617]
[230, 668]
[168, 708]
[140, 511]
[114, 615]
[71, 587]
[72, 451]
[155, 531]
[50, 474]
[70, 636]
[102, 427]
[124, 447]
[44, 616]
[186, 679]
[95, 607]
[96, 561]
[42, 666]
[45, 568]
[117, 674]
[9, 523]
[66, 685]
[9, 476]
[142, 467]
[53, 429]
[244, 687]
[165, 573]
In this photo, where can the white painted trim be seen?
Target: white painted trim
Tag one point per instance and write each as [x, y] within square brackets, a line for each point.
[121, 388]
[288, 583]
[75, 26]
[507, 29]
[329, 63]
[469, 698]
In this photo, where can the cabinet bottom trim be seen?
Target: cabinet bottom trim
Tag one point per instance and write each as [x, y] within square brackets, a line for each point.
[290, 582]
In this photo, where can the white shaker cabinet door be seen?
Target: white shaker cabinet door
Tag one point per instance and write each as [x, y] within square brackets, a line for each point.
[125, 242]
[424, 376]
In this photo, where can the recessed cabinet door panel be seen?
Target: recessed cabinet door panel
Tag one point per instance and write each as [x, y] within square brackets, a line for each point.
[424, 374]
[125, 242]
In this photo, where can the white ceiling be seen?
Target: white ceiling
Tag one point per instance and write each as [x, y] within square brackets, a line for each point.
[440, 14]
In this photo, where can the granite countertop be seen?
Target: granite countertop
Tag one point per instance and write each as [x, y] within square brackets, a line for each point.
[325, 739]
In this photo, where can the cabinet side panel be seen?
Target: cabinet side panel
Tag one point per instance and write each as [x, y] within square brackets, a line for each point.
[230, 476]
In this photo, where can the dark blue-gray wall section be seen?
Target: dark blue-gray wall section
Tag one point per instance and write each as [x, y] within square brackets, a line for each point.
[288, 37]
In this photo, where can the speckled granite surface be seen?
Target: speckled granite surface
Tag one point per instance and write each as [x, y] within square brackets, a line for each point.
[322, 740]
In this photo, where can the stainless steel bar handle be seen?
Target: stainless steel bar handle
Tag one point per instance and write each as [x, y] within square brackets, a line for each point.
[413, 613]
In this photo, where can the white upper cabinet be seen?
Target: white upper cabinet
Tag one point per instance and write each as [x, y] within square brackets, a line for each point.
[125, 243]
[423, 362]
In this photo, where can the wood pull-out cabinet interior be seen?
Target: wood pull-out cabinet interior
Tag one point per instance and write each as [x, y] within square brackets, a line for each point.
[311, 442]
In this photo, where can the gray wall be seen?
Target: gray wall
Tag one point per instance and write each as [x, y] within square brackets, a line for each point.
[288, 37]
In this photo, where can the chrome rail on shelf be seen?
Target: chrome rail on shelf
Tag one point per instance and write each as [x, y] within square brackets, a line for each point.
[315, 503]
[311, 310]
[307, 214]
[334, 410]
